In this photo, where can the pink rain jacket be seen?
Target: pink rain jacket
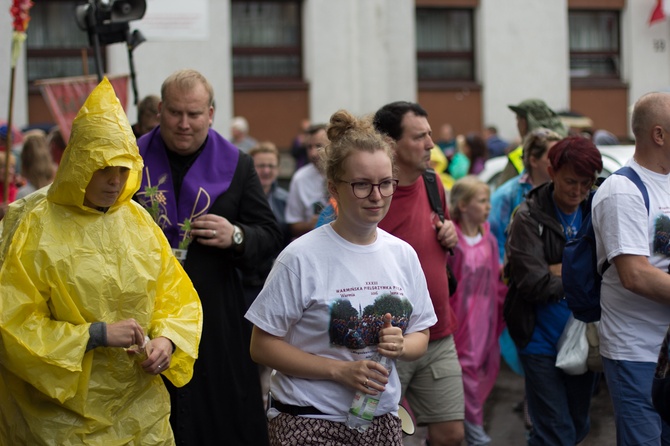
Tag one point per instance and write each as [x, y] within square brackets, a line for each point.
[477, 305]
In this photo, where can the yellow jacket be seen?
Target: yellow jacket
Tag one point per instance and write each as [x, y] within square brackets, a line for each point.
[64, 266]
[439, 163]
[516, 158]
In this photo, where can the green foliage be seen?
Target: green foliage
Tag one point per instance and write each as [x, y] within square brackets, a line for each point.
[342, 309]
[154, 208]
[369, 310]
[389, 303]
[183, 244]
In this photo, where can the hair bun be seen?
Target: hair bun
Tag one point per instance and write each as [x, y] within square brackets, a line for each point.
[340, 123]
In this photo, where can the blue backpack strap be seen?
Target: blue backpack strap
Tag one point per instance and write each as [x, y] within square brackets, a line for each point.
[629, 173]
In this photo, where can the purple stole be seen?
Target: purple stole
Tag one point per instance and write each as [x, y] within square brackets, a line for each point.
[208, 177]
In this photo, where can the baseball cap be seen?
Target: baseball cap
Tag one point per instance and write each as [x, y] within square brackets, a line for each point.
[538, 114]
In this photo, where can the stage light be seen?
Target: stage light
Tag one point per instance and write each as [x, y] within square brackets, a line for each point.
[106, 22]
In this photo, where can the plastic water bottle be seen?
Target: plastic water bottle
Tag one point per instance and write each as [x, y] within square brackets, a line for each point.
[363, 407]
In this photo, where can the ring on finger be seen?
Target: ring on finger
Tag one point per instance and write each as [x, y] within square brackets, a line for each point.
[213, 233]
[365, 384]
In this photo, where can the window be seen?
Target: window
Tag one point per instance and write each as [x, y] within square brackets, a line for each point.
[56, 46]
[266, 38]
[594, 44]
[444, 42]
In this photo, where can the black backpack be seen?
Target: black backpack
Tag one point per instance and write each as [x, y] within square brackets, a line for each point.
[430, 179]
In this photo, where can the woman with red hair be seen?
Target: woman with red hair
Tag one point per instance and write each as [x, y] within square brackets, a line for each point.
[535, 310]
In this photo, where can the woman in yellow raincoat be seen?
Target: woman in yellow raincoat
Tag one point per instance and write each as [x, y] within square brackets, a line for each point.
[85, 274]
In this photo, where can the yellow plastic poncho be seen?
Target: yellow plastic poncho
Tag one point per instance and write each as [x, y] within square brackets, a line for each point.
[439, 163]
[64, 266]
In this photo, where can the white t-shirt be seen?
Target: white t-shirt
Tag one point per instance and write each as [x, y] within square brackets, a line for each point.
[307, 188]
[632, 327]
[315, 298]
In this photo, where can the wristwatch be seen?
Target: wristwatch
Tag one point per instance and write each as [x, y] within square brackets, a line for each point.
[238, 236]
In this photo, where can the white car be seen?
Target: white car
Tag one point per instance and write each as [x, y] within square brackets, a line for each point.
[614, 157]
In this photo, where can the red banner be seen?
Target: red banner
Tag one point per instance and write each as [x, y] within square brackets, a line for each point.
[660, 12]
[65, 96]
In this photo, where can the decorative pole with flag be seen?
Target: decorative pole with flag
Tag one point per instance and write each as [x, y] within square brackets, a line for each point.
[660, 12]
[21, 16]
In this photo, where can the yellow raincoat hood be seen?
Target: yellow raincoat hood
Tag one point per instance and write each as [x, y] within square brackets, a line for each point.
[101, 136]
[64, 266]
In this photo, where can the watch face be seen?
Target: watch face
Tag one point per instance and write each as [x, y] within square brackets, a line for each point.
[237, 237]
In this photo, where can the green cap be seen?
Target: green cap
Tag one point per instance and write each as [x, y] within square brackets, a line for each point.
[538, 114]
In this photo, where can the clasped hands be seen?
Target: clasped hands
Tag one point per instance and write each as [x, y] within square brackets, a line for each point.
[129, 333]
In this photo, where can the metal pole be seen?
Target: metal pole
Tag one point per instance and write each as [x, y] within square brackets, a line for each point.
[8, 149]
[93, 38]
[96, 49]
[131, 64]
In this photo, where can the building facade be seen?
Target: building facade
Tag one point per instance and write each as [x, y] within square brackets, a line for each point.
[278, 62]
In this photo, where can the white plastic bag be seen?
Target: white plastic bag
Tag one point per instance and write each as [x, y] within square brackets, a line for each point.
[594, 361]
[573, 348]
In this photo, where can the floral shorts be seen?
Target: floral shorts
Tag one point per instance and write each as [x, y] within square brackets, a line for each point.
[288, 430]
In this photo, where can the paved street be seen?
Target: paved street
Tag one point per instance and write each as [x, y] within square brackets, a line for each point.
[506, 426]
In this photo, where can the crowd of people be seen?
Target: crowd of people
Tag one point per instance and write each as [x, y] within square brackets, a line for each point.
[160, 286]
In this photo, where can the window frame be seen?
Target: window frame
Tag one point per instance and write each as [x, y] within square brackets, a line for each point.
[469, 56]
[604, 79]
[273, 82]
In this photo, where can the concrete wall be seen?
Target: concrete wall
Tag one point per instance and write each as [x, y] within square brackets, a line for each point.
[646, 50]
[522, 53]
[358, 55]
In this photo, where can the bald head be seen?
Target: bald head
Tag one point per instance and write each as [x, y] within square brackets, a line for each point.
[651, 110]
[651, 127]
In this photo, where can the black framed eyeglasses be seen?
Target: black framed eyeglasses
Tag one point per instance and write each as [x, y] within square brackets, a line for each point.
[363, 189]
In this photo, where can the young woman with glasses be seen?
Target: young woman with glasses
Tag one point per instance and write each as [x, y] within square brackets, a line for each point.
[337, 295]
